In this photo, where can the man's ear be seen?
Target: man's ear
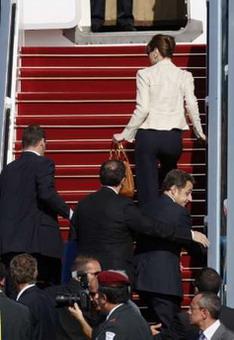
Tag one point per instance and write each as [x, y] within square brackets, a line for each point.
[205, 313]
[35, 274]
[173, 189]
[2, 282]
[102, 298]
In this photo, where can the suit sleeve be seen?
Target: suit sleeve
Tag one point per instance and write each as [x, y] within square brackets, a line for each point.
[73, 232]
[142, 107]
[46, 190]
[140, 223]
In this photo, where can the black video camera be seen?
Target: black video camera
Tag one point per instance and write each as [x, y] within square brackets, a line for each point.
[81, 297]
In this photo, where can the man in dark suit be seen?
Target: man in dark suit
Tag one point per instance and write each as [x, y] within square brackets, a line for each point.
[15, 318]
[204, 312]
[158, 274]
[207, 280]
[23, 268]
[104, 223]
[123, 321]
[67, 328]
[29, 205]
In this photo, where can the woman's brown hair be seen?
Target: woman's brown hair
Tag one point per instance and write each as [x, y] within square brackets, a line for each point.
[164, 43]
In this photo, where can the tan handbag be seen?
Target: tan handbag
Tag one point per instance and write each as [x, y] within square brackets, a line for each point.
[117, 152]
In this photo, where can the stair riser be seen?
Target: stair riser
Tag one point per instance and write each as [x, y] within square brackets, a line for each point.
[79, 119]
[110, 85]
[103, 49]
[98, 157]
[97, 132]
[84, 72]
[87, 183]
[68, 108]
[124, 61]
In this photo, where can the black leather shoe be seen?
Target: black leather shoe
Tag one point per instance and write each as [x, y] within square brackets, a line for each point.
[127, 27]
[97, 28]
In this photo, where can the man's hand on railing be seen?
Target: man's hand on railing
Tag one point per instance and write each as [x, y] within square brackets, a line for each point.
[155, 329]
[200, 238]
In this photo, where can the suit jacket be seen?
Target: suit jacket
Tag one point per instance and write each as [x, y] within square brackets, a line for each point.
[104, 224]
[29, 205]
[222, 333]
[163, 93]
[43, 317]
[125, 323]
[158, 261]
[15, 320]
[181, 328]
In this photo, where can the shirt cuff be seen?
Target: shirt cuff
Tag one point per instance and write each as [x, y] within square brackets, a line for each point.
[192, 232]
[70, 214]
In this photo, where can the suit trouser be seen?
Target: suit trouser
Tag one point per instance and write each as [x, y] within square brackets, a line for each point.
[152, 147]
[124, 12]
[162, 307]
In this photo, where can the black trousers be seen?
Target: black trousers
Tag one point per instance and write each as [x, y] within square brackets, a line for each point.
[163, 308]
[124, 12]
[151, 148]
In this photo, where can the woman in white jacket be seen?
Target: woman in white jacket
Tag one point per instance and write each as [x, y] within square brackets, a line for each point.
[165, 93]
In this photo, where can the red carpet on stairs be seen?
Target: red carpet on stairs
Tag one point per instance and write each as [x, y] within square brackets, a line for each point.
[81, 96]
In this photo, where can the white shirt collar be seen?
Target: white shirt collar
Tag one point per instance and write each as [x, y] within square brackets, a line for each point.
[36, 153]
[209, 332]
[23, 290]
[107, 186]
[108, 316]
[167, 193]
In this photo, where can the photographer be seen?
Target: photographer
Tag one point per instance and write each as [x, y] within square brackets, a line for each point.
[82, 284]
[122, 320]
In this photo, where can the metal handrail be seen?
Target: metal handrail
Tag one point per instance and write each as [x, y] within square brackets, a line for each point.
[9, 44]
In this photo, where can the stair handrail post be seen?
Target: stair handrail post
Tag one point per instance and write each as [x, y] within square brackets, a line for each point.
[230, 162]
[17, 43]
[8, 74]
[214, 132]
[4, 48]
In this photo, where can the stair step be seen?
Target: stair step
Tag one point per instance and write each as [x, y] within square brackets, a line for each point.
[64, 107]
[88, 60]
[90, 182]
[93, 170]
[76, 157]
[123, 49]
[78, 120]
[91, 96]
[185, 55]
[188, 261]
[82, 131]
[90, 72]
[108, 84]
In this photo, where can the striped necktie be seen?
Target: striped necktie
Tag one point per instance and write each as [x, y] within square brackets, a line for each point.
[202, 336]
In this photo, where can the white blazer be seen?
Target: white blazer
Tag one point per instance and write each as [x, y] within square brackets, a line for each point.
[164, 94]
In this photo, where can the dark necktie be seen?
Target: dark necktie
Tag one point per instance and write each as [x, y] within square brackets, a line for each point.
[202, 336]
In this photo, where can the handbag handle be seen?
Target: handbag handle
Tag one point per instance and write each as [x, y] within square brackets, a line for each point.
[117, 152]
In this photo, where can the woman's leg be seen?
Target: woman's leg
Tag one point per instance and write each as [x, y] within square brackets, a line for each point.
[171, 148]
[146, 167]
